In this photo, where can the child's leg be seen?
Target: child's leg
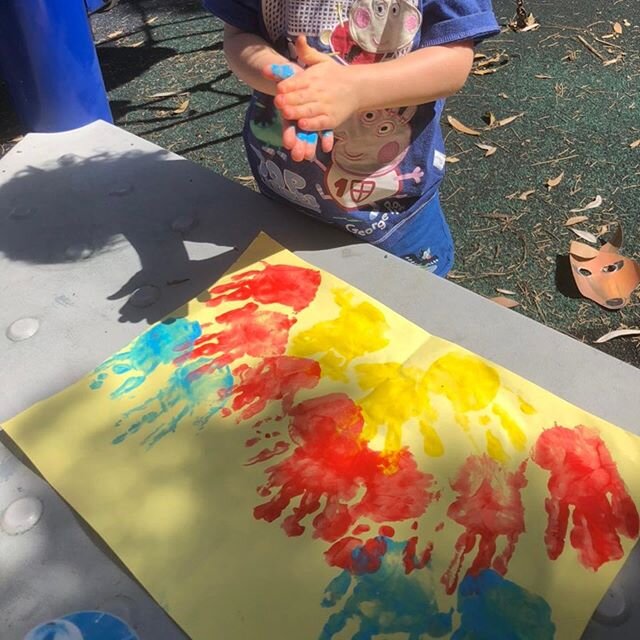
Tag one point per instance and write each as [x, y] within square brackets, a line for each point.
[424, 239]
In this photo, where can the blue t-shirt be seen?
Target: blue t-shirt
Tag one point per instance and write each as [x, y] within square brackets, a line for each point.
[386, 163]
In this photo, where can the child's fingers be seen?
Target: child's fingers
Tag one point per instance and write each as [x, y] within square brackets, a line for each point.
[306, 111]
[316, 123]
[326, 140]
[310, 140]
[288, 135]
[298, 151]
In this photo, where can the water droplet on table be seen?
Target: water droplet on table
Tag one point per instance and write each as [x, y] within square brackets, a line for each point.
[22, 329]
[21, 515]
[183, 223]
[613, 608]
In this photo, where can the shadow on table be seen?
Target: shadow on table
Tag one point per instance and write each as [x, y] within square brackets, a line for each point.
[186, 224]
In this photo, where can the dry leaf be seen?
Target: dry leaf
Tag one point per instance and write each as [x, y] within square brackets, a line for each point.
[151, 20]
[479, 56]
[575, 220]
[635, 144]
[542, 76]
[135, 45]
[184, 105]
[484, 72]
[626, 23]
[617, 27]
[504, 96]
[585, 235]
[451, 159]
[489, 118]
[554, 182]
[506, 291]
[487, 148]
[509, 120]
[458, 126]
[114, 34]
[618, 333]
[594, 204]
[615, 60]
[522, 196]
[166, 94]
[505, 302]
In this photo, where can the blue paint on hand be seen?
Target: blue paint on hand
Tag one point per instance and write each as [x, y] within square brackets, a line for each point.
[387, 601]
[282, 71]
[196, 391]
[493, 608]
[307, 136]
[159, 345]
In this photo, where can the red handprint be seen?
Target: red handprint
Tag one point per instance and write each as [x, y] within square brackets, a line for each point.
[584, 476]
[285, 284]
[488, 506]
[249, 331]
[331, 465]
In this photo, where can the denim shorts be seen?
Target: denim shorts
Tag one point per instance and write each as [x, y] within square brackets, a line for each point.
[423, 239]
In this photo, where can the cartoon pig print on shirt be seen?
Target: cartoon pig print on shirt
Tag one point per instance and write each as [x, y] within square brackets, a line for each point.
[367, 153]
[383, 26]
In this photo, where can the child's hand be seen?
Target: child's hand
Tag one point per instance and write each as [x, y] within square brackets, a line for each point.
[323, 96]
[301, 144]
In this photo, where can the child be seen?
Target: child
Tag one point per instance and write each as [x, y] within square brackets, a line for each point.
[344, 119]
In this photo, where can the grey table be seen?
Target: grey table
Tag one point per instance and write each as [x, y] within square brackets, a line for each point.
[101, 233]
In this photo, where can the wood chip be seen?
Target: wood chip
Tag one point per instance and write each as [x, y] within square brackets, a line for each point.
[506, 291]
[151, 20]
[575, 220]
[525, 194]
[488, 149]
[509, 303]
[184, 105]
[554, 182]
[166, 94]
[135, 45]
[585, 235]
[635, 144]
[618, 333]
[594, 204]
[113, 34]
[458, 126]
[542, 76]
[452, 159]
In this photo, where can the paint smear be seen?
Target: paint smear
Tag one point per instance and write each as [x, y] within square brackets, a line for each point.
[488, 506]
[277, 378]
[493, 608]
[284, 284]
[359, 329]
[331, 466]
[468, 382]
[398, 394]
[195, 392]
[249, 331]
[157, 346]
[585, 480]
[385, 601]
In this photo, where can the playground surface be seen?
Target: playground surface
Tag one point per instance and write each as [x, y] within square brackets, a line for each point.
[558, 103]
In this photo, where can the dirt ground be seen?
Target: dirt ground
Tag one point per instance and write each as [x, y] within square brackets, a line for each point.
[572, 83]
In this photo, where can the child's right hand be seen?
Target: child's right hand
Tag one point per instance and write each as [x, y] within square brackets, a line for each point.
[301, 144]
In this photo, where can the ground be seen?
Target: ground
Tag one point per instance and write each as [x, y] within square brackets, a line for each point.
[572, 82]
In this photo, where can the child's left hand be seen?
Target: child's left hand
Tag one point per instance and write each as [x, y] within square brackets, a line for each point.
[323, 96]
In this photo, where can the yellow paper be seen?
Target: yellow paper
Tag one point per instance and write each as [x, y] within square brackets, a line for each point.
[293, 460]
